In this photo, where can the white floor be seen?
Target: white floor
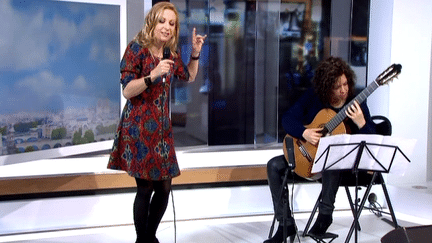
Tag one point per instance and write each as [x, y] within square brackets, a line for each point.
[240, 229]
[235, 214]
[254, 228]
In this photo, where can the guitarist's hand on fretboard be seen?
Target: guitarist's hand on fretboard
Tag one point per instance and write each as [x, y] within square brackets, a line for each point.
[356, 114]
[312, 135]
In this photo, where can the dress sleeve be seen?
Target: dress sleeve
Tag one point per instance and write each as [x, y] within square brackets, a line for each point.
[131, 64]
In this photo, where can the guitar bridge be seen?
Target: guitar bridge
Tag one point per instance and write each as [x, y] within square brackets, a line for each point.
[303, 151]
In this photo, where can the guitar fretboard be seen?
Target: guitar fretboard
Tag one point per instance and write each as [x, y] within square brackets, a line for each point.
[341, 115]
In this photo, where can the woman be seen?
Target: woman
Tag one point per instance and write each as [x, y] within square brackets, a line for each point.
[144, 145]
[333, 84]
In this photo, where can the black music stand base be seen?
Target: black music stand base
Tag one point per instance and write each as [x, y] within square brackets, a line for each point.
[323, 237]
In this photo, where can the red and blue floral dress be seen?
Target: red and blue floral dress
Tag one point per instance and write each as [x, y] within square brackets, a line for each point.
[144, 144]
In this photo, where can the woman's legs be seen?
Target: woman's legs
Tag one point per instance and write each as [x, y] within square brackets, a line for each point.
[158, 206]
[148, 213]
[330, 184]
[141, 207]
[331, 181]
[276, 168]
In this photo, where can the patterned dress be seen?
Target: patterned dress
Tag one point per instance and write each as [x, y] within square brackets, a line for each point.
[143, 144]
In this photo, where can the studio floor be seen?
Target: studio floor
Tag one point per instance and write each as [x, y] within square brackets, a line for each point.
[411, 204]
[236, 229]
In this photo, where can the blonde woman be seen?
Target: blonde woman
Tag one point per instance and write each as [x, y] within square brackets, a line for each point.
[144, 145]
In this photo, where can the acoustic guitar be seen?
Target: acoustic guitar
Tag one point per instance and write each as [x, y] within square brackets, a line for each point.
[332, 123]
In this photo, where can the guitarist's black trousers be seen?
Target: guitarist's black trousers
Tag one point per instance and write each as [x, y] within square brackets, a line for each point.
[276, 168]
[331, 180]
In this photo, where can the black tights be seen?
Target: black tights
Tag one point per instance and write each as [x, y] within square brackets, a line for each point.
[148, 214]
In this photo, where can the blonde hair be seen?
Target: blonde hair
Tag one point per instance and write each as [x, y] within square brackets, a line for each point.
[146, 36]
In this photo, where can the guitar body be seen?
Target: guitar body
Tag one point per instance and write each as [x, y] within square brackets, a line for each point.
[304, 152]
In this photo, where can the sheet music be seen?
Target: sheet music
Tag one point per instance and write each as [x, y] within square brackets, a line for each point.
[377, 155]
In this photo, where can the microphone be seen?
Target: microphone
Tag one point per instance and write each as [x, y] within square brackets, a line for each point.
[375, 207]
[166, 55]
[372, 198]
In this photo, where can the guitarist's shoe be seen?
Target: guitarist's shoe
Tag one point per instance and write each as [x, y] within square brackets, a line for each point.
[278, 236]
[321, 225]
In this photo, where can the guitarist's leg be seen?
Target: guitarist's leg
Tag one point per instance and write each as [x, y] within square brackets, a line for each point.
[330, 185]
[276, 168]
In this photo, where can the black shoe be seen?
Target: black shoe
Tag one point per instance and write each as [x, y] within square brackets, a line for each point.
[278, 237]
[321, 225]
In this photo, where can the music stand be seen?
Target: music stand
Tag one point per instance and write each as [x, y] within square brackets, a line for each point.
[365, 158]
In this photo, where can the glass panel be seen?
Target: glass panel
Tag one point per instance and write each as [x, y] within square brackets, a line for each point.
[348, 35]
[303, 31]
[189, 102]
[259, 57]
[266, 71]
[231, 101]
[359, 41]
[218, 107]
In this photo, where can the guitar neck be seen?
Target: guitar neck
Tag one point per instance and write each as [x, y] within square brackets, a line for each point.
[341, 115]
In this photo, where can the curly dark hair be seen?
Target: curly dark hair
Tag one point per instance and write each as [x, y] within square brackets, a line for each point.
[327, 74]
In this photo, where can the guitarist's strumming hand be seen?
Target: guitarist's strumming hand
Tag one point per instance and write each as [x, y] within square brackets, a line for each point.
[312, 135]
[356, 114]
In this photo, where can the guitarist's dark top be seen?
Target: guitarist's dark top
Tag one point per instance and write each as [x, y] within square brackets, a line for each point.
[306, 108]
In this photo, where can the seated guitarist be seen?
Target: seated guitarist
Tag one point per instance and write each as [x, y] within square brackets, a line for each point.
[333, 87]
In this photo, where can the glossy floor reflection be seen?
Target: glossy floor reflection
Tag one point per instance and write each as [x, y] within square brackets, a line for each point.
[239, 229]
[411, 204]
